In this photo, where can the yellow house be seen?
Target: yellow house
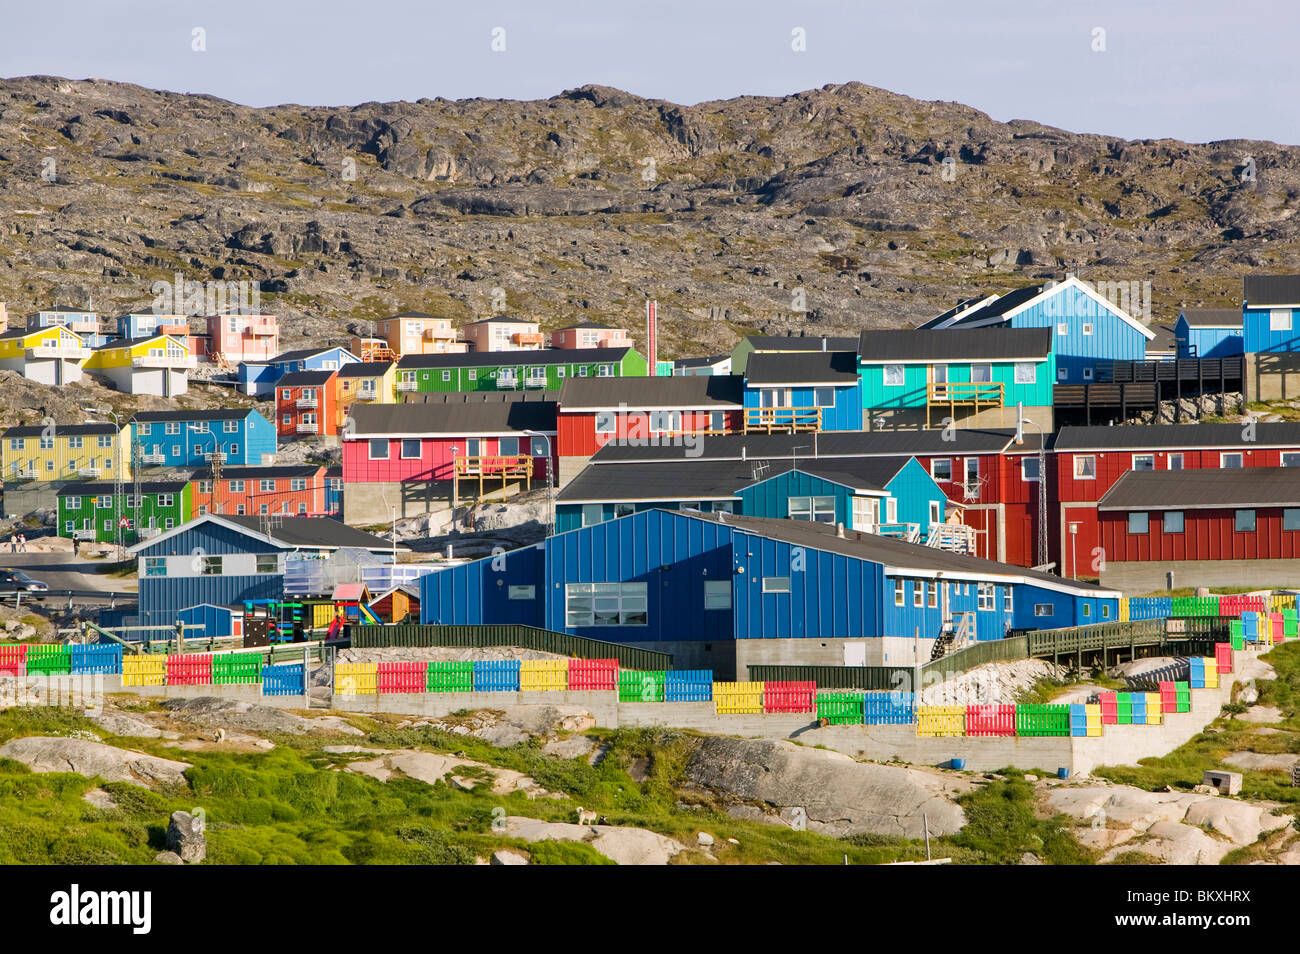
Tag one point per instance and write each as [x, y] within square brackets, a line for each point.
[52, 355]
[47, 452]
[371, 382]
[158, 364]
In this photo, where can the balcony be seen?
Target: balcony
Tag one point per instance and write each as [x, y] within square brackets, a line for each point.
[527, 339]
[304, 428]
[407, 386]
[535, 381]
[149, 532]
[494, 466]
[70, 352]
[27, 473]
[782, 420]
[217, 458]
[175, 362]
[154, 458]
[507, 382]
[308, 403]
[976, 396]
[89, 471]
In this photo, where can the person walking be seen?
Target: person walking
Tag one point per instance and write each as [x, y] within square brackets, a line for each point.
[13, 543]
[22, 543]
[76, 546]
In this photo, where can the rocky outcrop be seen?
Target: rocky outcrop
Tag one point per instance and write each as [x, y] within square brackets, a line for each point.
[186, 838]
[828, 792]
[626, 846]
[94, 760]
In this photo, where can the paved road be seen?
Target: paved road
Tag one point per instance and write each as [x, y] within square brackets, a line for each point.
[63, 571]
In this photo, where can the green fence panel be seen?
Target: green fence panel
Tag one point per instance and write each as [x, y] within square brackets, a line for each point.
[232, 669]
[640, 686]
[1034, 721]
[450, 677]
[49, 660]
[840, 708]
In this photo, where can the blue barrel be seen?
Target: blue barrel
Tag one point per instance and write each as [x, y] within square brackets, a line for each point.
[1062, 773]
[957, 763]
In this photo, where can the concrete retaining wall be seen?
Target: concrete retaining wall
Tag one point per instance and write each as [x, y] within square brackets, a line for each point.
[1134, 577]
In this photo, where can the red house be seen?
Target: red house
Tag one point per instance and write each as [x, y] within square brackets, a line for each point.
[594, 412]
[1089, 460]
[307, 402]
[1209, 527]
[403, 457]
[297, 491]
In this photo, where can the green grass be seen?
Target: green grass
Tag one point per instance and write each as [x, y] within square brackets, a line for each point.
[1001, 827]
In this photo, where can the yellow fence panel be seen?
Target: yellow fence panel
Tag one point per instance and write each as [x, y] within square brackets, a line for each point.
[738, 697]
[1092, 712]
[356, 679]
[544, 675]
[1211, 673]
[144, 670]
[941, 720]
[1123, 609]
[322, 614]
[1281, 601]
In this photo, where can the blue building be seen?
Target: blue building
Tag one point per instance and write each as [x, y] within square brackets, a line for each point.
[814, 390]
[1270, 307]
[186, 438]
[258, 378]
[710, 587]
[1088, 329]
[1209, 333]
[223, 560]
[81, 321]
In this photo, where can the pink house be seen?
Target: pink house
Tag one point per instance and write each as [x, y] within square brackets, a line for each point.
[590, 334]
[236, 338]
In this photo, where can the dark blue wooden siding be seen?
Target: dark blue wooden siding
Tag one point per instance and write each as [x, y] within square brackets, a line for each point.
[162, 598]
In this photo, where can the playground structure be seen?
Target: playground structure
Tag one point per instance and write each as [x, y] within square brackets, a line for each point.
[351, 605]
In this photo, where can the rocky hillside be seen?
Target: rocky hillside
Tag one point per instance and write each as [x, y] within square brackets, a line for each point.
[580, 206]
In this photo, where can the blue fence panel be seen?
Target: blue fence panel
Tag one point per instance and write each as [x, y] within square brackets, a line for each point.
[1078, 720]
[285, 680]
[689, 685]
[889, 708]
[96, 659]
[496, 675]
[1150, 607]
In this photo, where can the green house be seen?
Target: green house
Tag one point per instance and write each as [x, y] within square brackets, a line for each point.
[93, 510]
[539, 370]
[975, 379]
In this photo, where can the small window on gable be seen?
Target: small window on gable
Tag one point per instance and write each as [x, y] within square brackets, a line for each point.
[1087, 328]
[1062, 328]
[893, 375]
[776, 584]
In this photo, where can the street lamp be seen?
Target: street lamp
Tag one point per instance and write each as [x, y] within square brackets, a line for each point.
[1074, 557]
[1021, 421]
[214, 461]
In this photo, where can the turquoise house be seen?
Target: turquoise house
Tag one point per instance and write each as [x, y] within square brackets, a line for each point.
[923, 376]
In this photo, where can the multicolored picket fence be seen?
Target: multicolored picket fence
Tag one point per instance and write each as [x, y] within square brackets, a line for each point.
[1180, 607]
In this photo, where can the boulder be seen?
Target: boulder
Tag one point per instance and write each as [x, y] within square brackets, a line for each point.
[93, 759]
[1261, 714]
[168, 858]
[185, 837]
[116, 723]
[626, 846]
[506, 857]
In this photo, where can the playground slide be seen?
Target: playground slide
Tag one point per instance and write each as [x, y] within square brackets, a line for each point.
[336, 627]
[367, 614]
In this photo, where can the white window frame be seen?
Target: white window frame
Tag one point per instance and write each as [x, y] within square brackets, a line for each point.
[1169, 461]
[1224, 456]
[893, 371]
[1079, 459]
[937, 460]
[1026, 372]
[779, 585]
[1024, 472]
[630, 604]
[1087, 328]
[811, 508]
[1087, 374]
[1133, 463]
[717, 594]
[985, 375]
[419, 450]
[1279, 319]
[1062, 328]
[900, 593]
[370, 450]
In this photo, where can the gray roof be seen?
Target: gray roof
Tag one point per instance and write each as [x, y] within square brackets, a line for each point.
[300, 354]
[959, 443]
[990, 314]
[1212, 317]
[1206, 489]
[770, 343]
[60, 430]
[258, 473]
[704, 362]
[216, 414]
[480, 359]
[1165, 340]
[312, 532]
[504, 319]
[304, 378]
[924, 344]
[1178, 436]
[454, 417]
[93, 488]
[1261, 291]
[890, 551]
[660, 393]
[818, 367]
[364, 369]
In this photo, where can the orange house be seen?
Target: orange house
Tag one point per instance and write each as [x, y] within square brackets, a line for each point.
[308, 402]
[590, 334]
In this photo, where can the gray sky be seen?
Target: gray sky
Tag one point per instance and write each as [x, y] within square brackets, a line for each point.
[1189, 69]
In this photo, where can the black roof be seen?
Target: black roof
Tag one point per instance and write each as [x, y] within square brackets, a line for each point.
[410, 314]
[257, 473]
[704, 362]
[304, 378]
[215, 414]
[778, 343]
[888, 551]
[313, 532]
[364, 369]
[67, 308]
[60, 430]
[925, 344]
[89, 488]
[24, 332]
[1212, 317]
[478, 397]
[1178, 436]
[1261, 291]
[480, 359]
[453, 417]
[588, 324]
[818, 367]
[1205, 489]
[990, 314]
[299, 354]
[960, 442]
[659, 393]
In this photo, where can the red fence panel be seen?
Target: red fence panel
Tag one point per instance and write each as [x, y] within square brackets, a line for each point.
[790, 696]
[1223, 657]
[593, 674]
[1109, 707]
[991, 720]
[401, 677]
[13, 660]
[192, 669]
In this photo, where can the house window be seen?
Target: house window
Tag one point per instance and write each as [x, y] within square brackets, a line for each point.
[605, 604]
[624, 509]
[538, 446]
[717, 594]
[236, 486]
[592, 514]
[717, 421]
[724, 506]
[1279, 319]
[209, 566]
[508, 447]
[176, 450]
[824, 397]
[1174, 462]
[606, 422]
[155, 566]
[298, 483]
[411, 450]
[941, 468]
[266, 486]
[1173, 521]
[1138, 522]
[981, 373]
[73, 503]
[105, 440]
[1087, 610]
[446, 376]
[582, 371]
[268, 563]
[817, 509]
[931, 594]
[75, 443]
[986, 596]
[918, 597]
[286, 394]
[1029, 468]
[239, 510]
[1026, 372]
[893, 375]
[378, 448]
[166, 500]
[230, 427]
[168, 523]
[1230, 461]
[1007, 604]
[776, 584]
[899, 596]
[17, 444]
[1244, 521]
[302, 509]
[972, 471]
[521, 592]
[1085, 467]
[1144, 461]
[935, 515]
[693, 505]
[891, 510]
[46, 443]
[1087, 374]
[605, 371]
[670, 421]
[1087, 328]
[172, 427]
[1044, 609]
[1062, 374]
[234, 450]
[103, 503]
[1291, 518]
[1290, 459]
[1062, 328]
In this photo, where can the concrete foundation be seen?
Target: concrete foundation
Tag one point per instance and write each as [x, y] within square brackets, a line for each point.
[914, 418]
[1272, 377]
[22, 498]
[569, 468]
[884, 651]
[1135, 577]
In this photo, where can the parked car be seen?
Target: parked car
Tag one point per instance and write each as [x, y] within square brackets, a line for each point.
[18, 580]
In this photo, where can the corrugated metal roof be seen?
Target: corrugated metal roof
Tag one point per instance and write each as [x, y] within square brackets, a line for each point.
[92, 488]
[1261, 291]
[959, 442]
[60, 430]
[1212, 317]
[480, 417]
[831, 368]
[304, 378]
[1207, 489]
[993, 344]
[1178, 436]
[364, 369]
[777, 343]
[660, 393]
[480, 359]
[217, 414]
